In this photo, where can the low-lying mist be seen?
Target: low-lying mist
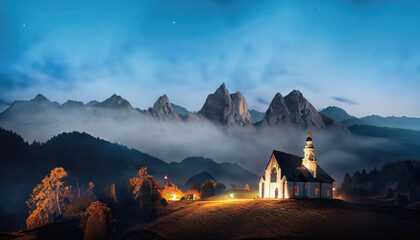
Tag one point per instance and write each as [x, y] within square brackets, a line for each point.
[250, 147]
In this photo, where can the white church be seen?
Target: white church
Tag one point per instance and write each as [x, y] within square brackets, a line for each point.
[291, 176]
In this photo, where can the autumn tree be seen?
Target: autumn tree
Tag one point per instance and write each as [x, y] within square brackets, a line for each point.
[134, 184]
[147, 192]
[246, 187]
[48, 199]
[97, 222]
[208, 189]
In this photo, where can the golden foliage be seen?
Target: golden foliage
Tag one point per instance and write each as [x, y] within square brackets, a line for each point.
[246, 187]
[48, 199]
[134, 184]
[98, 222]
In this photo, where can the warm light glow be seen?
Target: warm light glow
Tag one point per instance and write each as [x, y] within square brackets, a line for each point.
[172, 193]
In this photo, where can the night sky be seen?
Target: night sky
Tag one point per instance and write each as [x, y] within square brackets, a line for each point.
[361, 55]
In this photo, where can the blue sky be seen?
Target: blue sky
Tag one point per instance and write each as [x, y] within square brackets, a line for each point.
[360, 55]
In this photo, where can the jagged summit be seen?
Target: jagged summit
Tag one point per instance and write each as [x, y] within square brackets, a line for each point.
[72, 104]
[292, 109]
[302, 112]
[40, 98]
[115, 101]
[277, 113]
[226, 109]
[163, 110]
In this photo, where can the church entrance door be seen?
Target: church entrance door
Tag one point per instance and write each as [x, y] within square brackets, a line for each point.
[276, 193]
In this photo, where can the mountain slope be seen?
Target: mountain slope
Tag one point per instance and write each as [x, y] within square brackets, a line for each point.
[180, 110]
[226, 109]
[336, 113]
[201, 178]
[256, 116]
[302, 113]
[392, 122]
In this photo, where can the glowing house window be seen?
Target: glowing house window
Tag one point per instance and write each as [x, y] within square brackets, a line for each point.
[316, 191]
[296, 190]
[328, 193]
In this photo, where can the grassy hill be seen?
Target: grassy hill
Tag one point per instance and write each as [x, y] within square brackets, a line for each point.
[273, 219]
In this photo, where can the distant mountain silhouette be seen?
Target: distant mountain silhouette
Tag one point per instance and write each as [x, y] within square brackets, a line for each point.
[201, 178]
[180, 110]
[336, 113]
[256, 116]
[390, 122]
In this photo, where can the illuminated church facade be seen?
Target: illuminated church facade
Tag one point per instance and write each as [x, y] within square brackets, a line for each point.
[291, 176]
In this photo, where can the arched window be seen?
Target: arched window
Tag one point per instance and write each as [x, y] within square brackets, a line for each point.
[273, 175]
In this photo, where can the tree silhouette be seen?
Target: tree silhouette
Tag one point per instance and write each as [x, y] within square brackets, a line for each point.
[150, 198]
[48, 199]
[196, 186]
[98, 222]
[208, 189]
[220, 187]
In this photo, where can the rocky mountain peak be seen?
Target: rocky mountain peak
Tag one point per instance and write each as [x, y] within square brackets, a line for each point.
[277, 113]
[302, 112]
[222, 90]
[40, 98]
[226, 109]
[116, 102]
[163, 110]
[72, 104]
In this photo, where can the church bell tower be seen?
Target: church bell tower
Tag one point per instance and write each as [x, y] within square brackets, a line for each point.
[309, 161]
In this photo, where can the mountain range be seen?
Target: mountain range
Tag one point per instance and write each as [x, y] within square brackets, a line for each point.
[374, 120]
[220, 108]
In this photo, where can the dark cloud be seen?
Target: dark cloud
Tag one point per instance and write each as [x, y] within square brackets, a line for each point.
[260, 100]
[344, 100]
[4, 102]
[10, 81]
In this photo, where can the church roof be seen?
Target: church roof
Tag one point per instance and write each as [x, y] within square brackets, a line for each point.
[291, 166]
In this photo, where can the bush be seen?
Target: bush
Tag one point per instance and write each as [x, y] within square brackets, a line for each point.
[163, 202]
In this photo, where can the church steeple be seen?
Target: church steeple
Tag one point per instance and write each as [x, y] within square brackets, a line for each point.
[309, 161]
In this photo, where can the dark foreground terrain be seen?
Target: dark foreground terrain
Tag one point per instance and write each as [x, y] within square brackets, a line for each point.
[274, 219]
[255, 219]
